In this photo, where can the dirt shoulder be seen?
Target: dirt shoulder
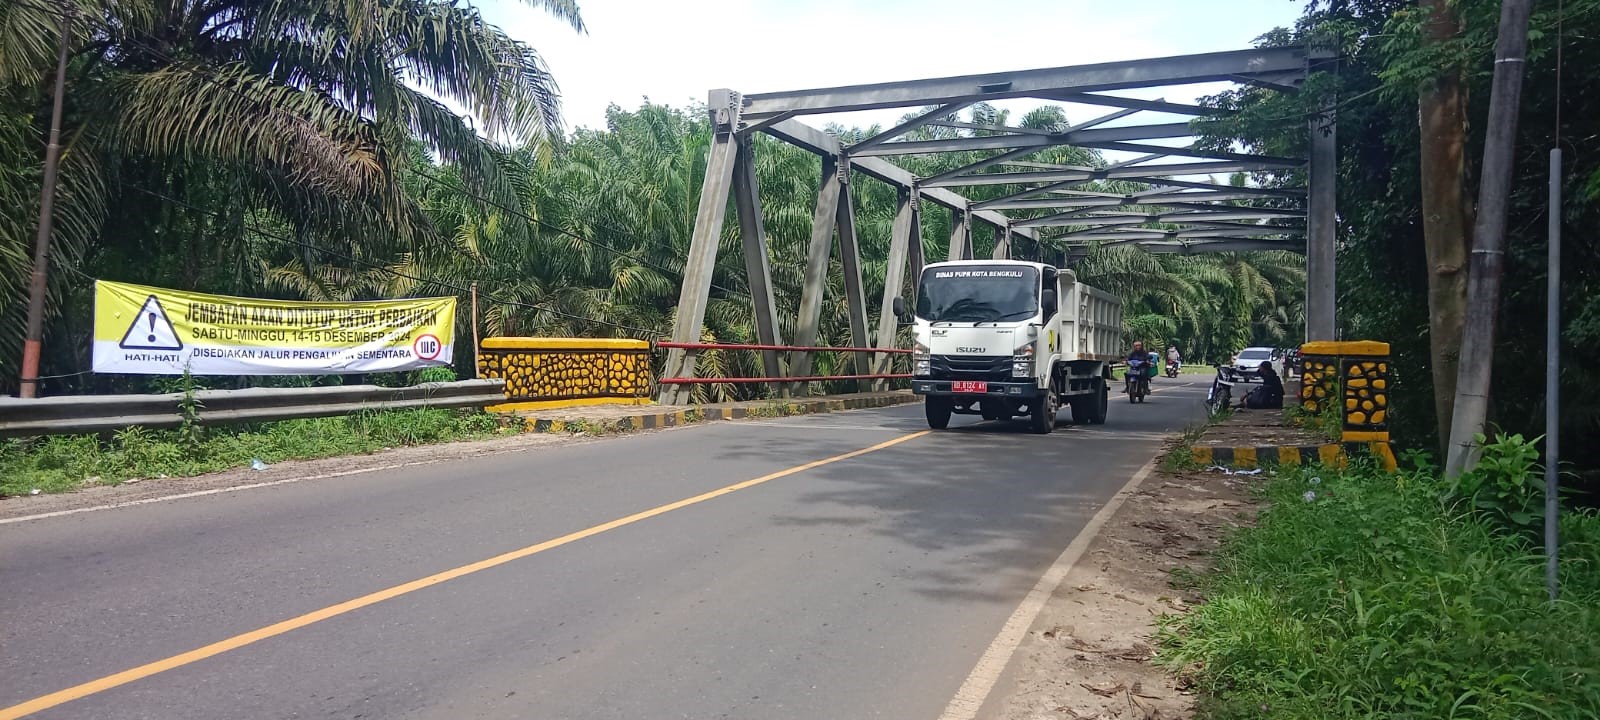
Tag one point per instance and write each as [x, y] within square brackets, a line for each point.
[283, 472]
[1088, 653]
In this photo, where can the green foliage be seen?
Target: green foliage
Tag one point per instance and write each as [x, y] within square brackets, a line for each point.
[434, 375]
[63, 463]
[1327, 421]
[225, 146]
[1180, 457]
[1209, 306]
[1506, 486]
[191, 433]
[1357, 596]
[1383, 270]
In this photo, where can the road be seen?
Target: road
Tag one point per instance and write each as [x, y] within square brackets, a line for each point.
[805, 585]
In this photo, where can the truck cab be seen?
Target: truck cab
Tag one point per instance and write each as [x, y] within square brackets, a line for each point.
[1006, 338]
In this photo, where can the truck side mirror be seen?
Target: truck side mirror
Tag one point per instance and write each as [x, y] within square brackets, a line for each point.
[1047, 299]
[900, 307]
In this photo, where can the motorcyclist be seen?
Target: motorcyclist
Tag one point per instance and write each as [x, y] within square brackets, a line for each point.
[1173, 356]
[1139, 362]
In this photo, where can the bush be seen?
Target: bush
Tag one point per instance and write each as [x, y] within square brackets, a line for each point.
[1506, 486]
[1363, 595]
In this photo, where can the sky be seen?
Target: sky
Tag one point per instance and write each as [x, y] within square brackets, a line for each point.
[674, 51]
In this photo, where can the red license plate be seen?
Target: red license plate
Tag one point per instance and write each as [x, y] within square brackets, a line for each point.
[969, 386]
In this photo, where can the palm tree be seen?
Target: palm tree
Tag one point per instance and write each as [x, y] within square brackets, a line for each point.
[188, 118]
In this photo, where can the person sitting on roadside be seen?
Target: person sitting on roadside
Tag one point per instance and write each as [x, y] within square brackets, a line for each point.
[1267, 397]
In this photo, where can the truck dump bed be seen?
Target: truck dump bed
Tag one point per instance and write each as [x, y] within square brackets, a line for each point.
[1091, 326]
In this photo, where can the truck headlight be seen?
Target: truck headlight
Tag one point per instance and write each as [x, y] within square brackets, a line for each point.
[919, 360]
[1022, 361]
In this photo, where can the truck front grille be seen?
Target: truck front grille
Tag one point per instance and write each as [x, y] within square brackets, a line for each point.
[970, 367]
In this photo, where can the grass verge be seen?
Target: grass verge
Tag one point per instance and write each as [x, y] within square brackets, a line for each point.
[69, 462]
[1362, 595]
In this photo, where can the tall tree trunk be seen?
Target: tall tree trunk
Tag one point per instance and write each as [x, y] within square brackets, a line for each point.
[1489, 239]
[1446, 216]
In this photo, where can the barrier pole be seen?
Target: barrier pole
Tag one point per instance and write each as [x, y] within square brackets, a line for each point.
[475, 342]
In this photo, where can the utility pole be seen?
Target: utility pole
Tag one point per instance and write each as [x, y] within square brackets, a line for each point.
[29, 381]
[1322, 255]
[1487, 264]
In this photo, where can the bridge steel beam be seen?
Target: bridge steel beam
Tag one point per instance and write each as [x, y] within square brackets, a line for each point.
[701, 263]
[901, 237]
[916, 249]
[1012, 142]
[1002, 243]
[816, 275]
[1195, 200]
[960, 235]
[1193, 247]
[1046, 176]
[1072, 218]
[758, 266]
[1152, 72]
[804, 136]
[850, 260]
[1093, 234]
[926, 118]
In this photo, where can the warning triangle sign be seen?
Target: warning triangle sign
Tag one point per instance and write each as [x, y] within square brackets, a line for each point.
[151, 330]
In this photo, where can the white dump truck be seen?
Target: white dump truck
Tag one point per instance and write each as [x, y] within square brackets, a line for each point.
[1005, 338]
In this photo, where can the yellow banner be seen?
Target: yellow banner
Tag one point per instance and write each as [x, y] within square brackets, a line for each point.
[147, 330]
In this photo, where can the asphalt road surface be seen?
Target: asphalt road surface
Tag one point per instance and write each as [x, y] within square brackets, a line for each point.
[738, 570]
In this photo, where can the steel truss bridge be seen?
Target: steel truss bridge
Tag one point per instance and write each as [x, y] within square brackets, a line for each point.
[1174, 207]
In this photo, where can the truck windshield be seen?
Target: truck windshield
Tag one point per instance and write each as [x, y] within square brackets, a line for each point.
[978, 294]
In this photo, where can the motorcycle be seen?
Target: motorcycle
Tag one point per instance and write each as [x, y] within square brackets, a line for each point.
[1173, 366]
[1137, 382]
[1221, 394]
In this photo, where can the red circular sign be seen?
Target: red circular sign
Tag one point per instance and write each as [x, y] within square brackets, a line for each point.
[426, 347]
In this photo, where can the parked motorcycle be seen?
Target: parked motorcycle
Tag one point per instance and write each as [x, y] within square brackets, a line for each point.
[1221, 394]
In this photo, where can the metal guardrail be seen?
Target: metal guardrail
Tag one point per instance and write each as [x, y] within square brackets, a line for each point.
[71, 414]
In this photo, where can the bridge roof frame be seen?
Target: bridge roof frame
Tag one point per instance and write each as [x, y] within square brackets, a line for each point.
[1281, 68]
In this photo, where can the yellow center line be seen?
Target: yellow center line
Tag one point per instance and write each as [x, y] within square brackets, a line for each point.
[45, 702]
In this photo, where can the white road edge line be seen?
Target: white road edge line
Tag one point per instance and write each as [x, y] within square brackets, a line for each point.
[216, 491]
[972, 694]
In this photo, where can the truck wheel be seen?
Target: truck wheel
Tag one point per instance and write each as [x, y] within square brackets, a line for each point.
[938, 412]
[1099, 407]
[1043, 419]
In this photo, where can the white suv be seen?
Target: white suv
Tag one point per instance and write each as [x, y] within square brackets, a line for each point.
[1248, 362]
